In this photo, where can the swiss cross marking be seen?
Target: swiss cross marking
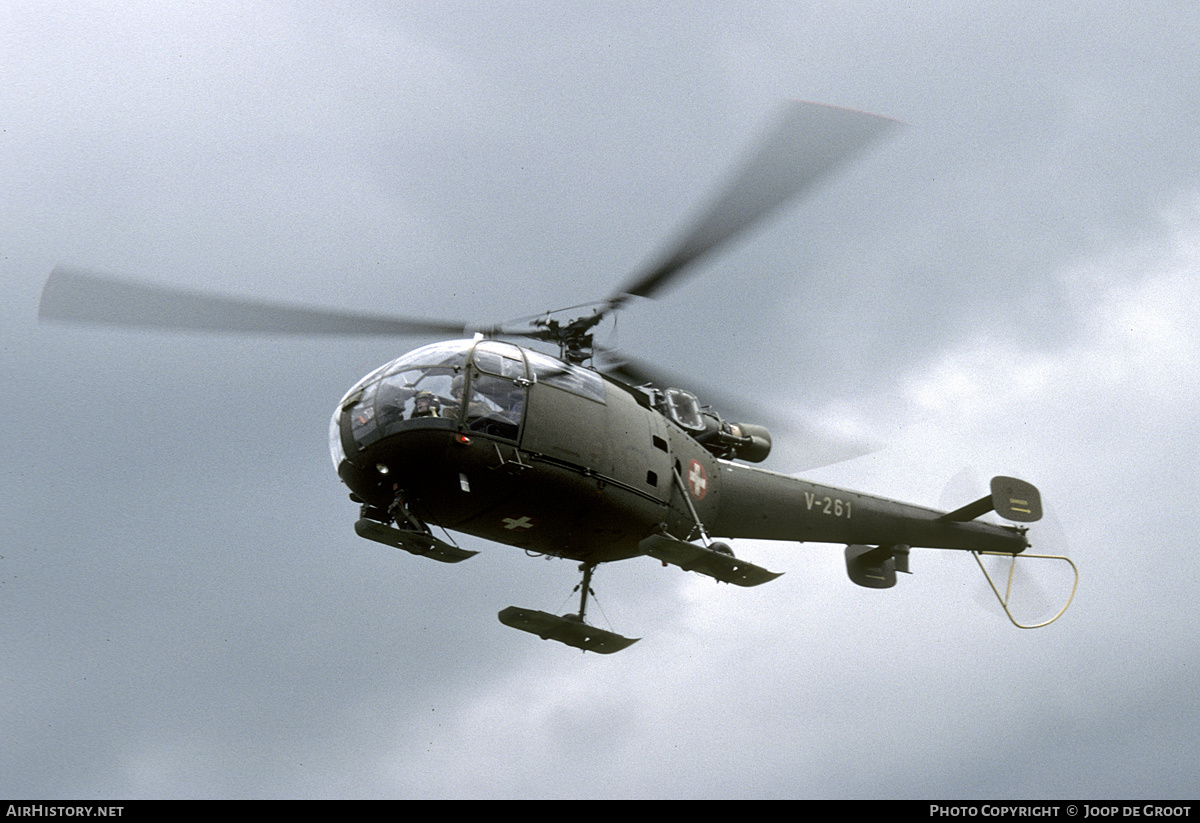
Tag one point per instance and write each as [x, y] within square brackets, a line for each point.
[513, 523]
[697, 480]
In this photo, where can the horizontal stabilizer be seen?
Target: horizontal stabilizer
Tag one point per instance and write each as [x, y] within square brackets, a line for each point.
[425, 545]
[567, 629]
[1011, 498]
[690, 557]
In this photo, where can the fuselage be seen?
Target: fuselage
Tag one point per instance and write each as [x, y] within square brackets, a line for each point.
[512, 445]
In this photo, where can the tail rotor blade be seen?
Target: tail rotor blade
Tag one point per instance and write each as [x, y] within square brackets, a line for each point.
[1034, 588]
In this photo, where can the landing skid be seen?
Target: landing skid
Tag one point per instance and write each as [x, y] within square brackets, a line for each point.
[567, 629]
[570, 628]
[715, 564]
[425, 545]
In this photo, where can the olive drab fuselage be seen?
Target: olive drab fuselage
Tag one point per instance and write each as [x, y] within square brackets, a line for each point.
[563, 462]
[514, 446]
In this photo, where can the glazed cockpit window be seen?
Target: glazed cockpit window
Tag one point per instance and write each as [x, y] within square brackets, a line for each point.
[410, 387]
[452, 354]
[416, 393]
[495, 405]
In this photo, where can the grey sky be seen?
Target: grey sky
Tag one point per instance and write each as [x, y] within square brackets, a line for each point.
[1008, 284]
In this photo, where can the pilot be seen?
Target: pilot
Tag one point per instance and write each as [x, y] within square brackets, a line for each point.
[426, 404]
[506, 395]
[494, 406]
[475, 407]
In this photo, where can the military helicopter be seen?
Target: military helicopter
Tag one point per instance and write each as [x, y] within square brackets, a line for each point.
[580, 454]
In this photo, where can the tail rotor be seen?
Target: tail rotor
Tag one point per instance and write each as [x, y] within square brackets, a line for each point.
[1018, 580]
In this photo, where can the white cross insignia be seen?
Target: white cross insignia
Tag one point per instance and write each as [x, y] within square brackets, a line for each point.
[697, 480]
[513, 523]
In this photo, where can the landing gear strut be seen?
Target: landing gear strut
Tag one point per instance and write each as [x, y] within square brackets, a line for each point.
[413, 536]
[585, 587]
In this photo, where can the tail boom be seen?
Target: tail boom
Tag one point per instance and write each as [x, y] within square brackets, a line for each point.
[761, 505]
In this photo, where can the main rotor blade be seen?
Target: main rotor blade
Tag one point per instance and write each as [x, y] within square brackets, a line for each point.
[809, 141]
[74, 296]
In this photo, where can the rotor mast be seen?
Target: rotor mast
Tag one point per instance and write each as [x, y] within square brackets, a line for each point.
[574, 338]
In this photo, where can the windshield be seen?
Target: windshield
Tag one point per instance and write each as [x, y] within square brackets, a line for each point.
[450, 355]
[415, 386]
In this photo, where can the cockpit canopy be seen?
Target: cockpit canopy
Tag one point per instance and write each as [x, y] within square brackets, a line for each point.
[477, 384]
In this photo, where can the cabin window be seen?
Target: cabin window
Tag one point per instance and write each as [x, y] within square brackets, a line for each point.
[500, 359]
[575, 379]
[495, 394]
[415, 394]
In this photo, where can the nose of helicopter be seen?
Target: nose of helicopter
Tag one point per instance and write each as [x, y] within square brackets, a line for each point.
[336, 450]
[374, 460]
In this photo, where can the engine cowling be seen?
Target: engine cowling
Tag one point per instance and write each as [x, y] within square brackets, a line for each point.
[741, 441]
[753, 442]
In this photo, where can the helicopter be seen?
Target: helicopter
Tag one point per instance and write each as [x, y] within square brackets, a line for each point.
[584, 454]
